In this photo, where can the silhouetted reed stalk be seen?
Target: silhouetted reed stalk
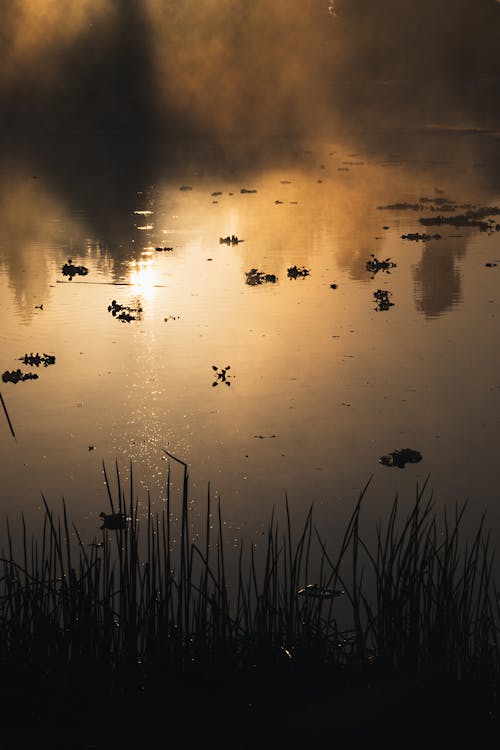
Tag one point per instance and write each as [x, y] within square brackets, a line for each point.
[7, 417]
[420, 598]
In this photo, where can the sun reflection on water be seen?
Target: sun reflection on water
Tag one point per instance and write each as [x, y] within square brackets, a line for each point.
[142, 276]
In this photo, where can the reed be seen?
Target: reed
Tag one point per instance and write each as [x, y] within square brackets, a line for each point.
[420, 598]
[7, 417]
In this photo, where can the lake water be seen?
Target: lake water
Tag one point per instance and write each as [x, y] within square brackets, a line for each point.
[321, 383]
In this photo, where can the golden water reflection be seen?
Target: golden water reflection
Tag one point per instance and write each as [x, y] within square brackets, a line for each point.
[321, 383]
[143, 277]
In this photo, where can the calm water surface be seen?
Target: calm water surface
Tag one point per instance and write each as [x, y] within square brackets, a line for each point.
[321, 383]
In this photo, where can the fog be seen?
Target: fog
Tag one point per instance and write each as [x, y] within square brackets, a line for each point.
[247, 66]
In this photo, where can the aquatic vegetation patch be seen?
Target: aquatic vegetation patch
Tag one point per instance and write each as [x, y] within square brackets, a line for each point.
[255, 277]
[31, 360]
[382, 298]
[429, 204]
[71, 270]
[418, 237]
[221, 375]
[294, 272]
[314, 591]
[477, 218]
[16, 376]
[374, 265]
[401, 207]
[230, 240]
[124, 313]
[35, 360]
[399, 458]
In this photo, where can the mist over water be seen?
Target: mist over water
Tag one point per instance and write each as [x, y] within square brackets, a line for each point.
[235, 66]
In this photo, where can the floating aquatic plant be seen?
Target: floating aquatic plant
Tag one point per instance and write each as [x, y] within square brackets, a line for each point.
[16, 376]
[374, 265]
[382, 298]
[473, 218]
[35, 360]
[124, 313]
[401, 457]
[230, 240]
[419, 237]
[294, 272]
[222, 375]
[71, 270]
[255, 277]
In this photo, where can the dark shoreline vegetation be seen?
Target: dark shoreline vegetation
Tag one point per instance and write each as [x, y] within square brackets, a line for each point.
[305, 645]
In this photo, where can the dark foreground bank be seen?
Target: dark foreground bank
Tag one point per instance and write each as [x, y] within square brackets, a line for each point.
[154, 636]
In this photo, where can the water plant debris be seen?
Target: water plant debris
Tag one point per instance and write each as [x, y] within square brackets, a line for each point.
[382, 298]
[222, 376]
[255, 277]
[35, 360]
[123, 312]
[70, 270]
[401, 457]
[474, 218]
[294, 272]
[230, 240]
[419, 237]
[374, 265]
[15, 376]
[314, 591]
